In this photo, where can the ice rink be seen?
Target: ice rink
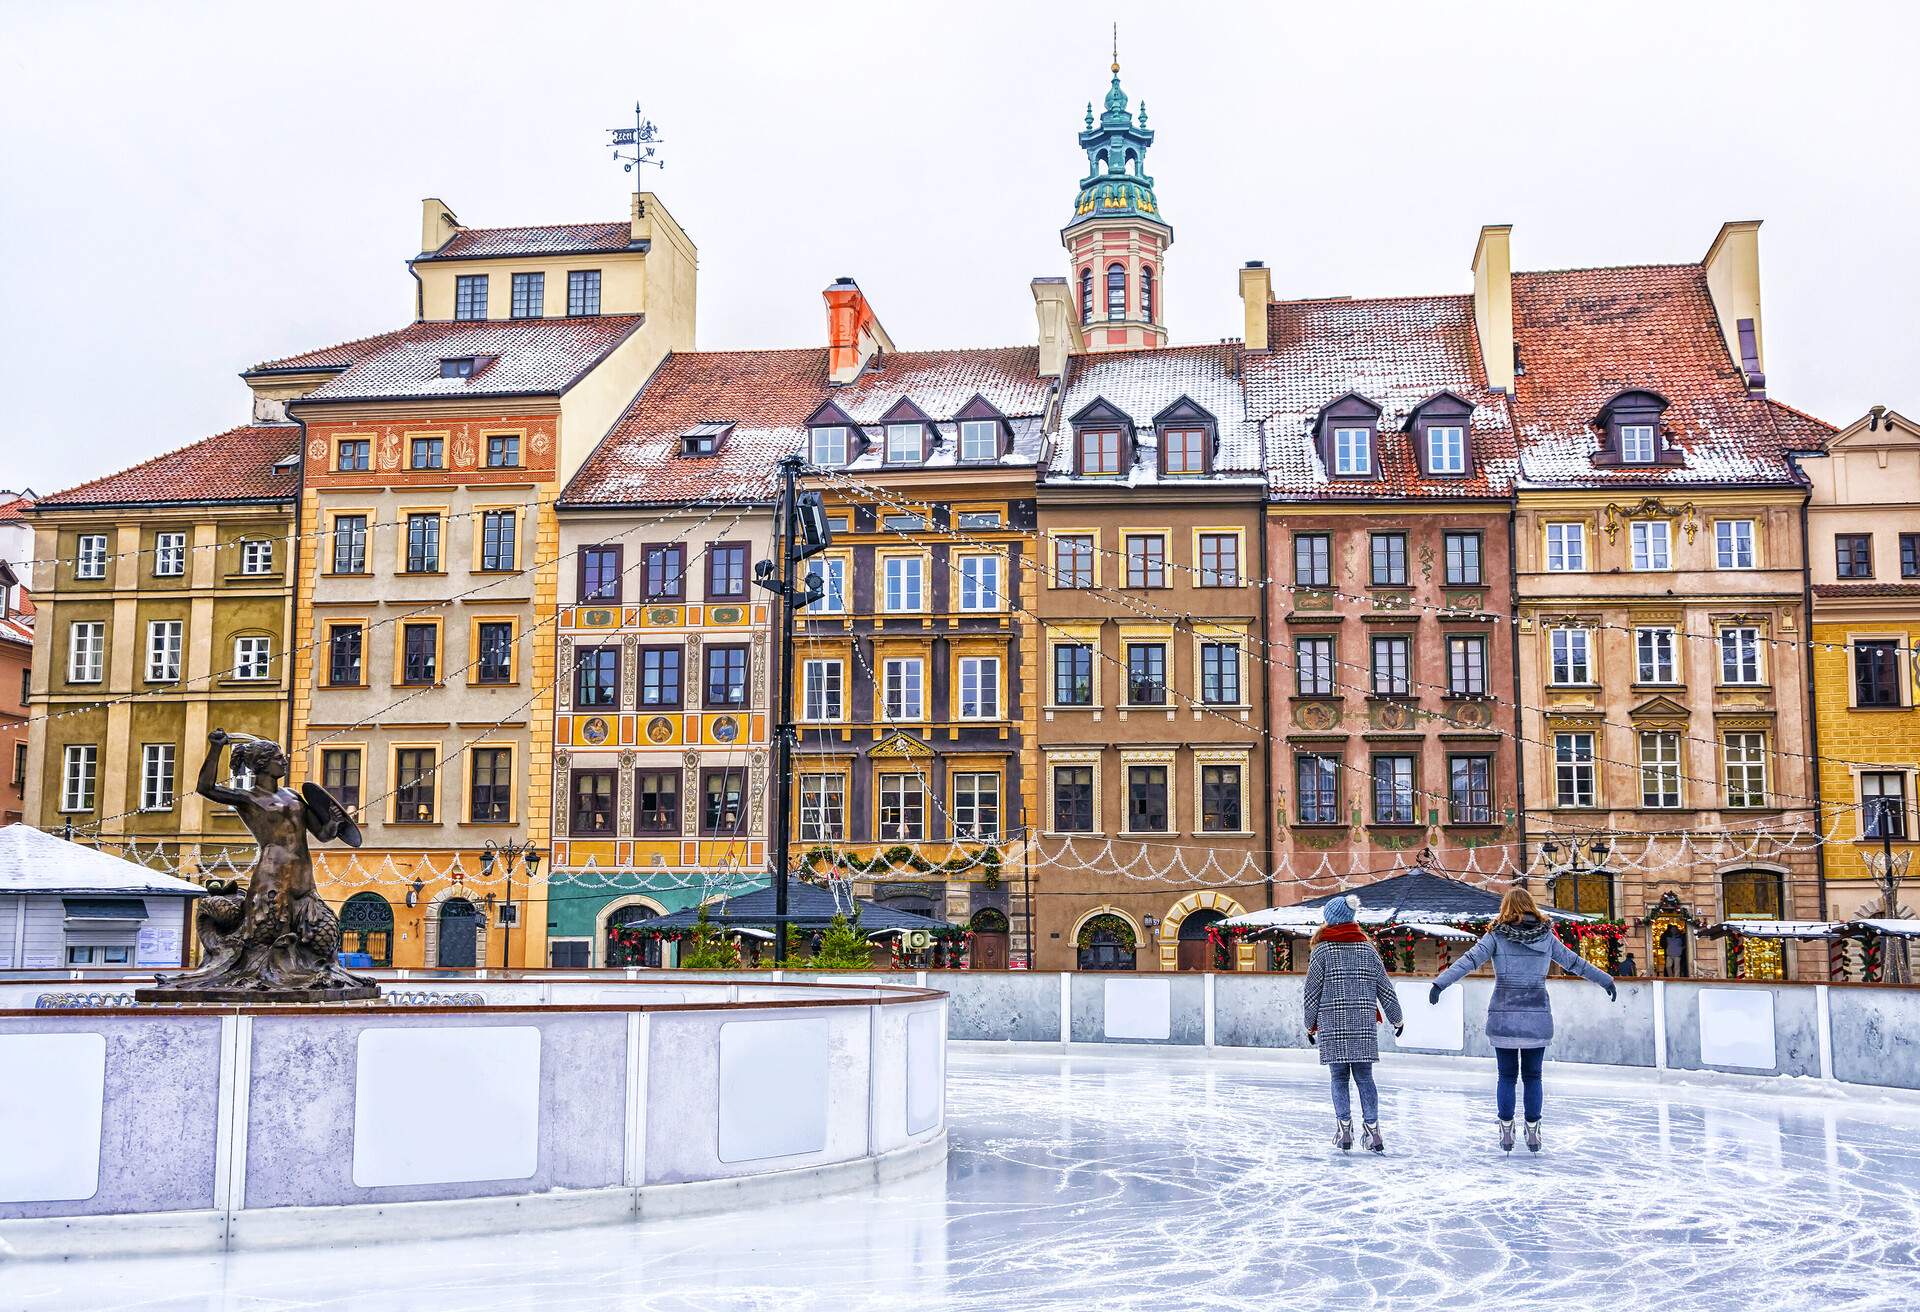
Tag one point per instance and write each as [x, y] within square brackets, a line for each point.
[1156, 1182]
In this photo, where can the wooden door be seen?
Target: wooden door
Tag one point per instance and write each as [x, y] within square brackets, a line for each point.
[989, 950]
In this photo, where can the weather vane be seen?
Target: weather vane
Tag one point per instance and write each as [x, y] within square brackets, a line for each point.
[643, 140]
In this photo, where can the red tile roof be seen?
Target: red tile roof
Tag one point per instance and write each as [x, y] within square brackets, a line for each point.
[14, 507]
[17, 629]
[1866, 589]
[547, 239]
[234, 466]
[1583, 336]
[529, 356]
[338, 356]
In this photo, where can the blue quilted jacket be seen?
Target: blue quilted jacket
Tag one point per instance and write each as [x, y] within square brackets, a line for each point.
[1520, 1016]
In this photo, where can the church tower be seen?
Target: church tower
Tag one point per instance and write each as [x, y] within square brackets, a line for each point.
[1117, 241]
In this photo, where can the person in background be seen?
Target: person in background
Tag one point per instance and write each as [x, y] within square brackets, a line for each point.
[1629, 968]
[1522, 947]
[1346, 982]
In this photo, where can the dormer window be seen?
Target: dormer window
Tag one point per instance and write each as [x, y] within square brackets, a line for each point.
[1636, 444]
[906, 443]
[1102, 440]
[1441, 427]
[1347, 432]
[827, 446]
[984, 433]
[1188, 437]
[1352, 452]
[1099, 451]
[1186, 450]
[461, 366]
[1630, 431]
[1446, 449]
[704, 439]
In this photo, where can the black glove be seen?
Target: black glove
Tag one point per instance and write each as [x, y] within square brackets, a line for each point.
[1433, 996]
[1399, 1029]
[1613, 991]
[1313, 1037]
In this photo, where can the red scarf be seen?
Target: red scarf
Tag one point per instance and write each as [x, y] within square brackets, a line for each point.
[1346, 933]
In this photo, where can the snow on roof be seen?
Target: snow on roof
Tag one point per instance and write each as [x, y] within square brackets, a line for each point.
[942, 382]
[540, 356]
[237, 465]
[1143, 383]
[35, 862]
[543, 239]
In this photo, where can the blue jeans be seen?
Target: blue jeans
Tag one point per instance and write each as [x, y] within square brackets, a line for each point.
[1525, 1064]
[1362, 1073]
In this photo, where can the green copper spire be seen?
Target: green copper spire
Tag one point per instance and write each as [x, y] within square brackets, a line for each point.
[1117, 183]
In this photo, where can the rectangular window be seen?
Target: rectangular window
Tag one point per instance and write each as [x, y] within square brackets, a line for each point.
[1733, 543]
[1313, 560]
[256, 557]
[490, 785]
[823, 808]
[1446, 449]
[423, 544]
[590, 809]
[350, 544]
[1389, 560]
[1660, 770]
[1219, 560]
[1146, 560]
[1220, 809]
[163, 650]
[1313, 663]
[1467, 667]
[470, 296]
[169, 555]
[976, 807]
[529, 295]
[1570, 656]
[727, 571]
[1463, 559]
[1853, 555]
[1099, 451]
[1147, 811]
[1739, 655]
[503, 451]
[1653, 655]
[1883, 811]
[346, 655]
[340, 776]
[1910, 555]
[1393, 790]
[833, 582]
[79, 773]
[596, 677]
[86, 651]
[903, 808]
[1573, 769]
[1566, 548]
[979, 583]
[1352, 452]
[1391, 658]
[1186, 450]
[1073, 799]
[1220, 673]
[414, 802]
[726, 683]
[905, 582]
[822, 690]
[1072, 674]
[723, 801]
[660, 678]
[1636, 444]
[665, 567]
[1651, 544]
[1746, 758]
[827, 446]
[90, 560]
[1146, 674]
[583, 292]
[656, 802]
[903, 689]
[977, 519]
[493, 663]
[253, 657]
[499, 532]
[1470, 789]
[906, 444]
[979, 439]
[354, 455]
[1318, 788]
[1073, 560]
[419, 653]
[979, 687]
[427, 453]
[156, 776]
[600, 574]
[1876, 672]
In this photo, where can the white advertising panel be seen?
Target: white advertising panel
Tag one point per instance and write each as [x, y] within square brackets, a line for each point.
[1139, 1008]
[446, 1106]
[1736, 1028]
[1442, 1025]
[773, 1088]
[51, 1098]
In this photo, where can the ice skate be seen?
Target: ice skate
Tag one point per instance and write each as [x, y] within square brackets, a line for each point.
[1370, 1136]
[1506, 1135]
[1533, 1136]
[1343, 1134]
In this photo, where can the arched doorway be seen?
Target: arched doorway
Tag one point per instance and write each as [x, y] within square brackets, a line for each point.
[366, 929]
[990, 940]
[1754, 895]
[1669, 947]
[1105, 941]
[646, 952]
[1195, 951]
[459, 934]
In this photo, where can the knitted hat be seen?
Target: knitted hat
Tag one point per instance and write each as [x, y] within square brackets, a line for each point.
[1340, 910]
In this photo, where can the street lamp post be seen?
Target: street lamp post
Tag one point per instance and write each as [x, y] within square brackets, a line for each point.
[491, 852]
[1585, 856]
[1888, 813]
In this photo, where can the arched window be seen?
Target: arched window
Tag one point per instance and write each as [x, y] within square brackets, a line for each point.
[1194, 953]
[1753, 895]
[1133, 162]
[631, 949]
[366, 926]
[1146, 292]
[1086, 296]
[1100, 166]
[1105, 942]
[1116, 291]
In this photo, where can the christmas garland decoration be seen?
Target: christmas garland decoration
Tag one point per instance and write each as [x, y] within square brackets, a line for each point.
[901, 857]
[1110, 924]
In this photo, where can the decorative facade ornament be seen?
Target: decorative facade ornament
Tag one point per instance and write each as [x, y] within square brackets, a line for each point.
[757, 792]
[626, 795]
[565, 690]
[690, 792]
[1686, 514]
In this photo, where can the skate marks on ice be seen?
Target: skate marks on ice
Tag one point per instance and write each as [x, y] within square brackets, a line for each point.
[1122, 1183]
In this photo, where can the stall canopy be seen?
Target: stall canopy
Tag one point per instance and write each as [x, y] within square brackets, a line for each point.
[809, 907]
[35, 863]
[1814, 929]
[1418, 899]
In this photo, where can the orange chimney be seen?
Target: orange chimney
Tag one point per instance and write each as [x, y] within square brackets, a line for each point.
[853, 331]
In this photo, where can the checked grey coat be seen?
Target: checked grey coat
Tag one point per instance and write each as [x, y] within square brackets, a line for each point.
[1345, 983]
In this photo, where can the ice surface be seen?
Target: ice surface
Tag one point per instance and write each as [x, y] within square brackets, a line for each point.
[1153, 1182]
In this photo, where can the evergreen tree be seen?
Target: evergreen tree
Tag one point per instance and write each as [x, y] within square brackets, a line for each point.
[707, 949]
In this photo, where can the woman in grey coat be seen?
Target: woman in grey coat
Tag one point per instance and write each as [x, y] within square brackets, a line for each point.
[1521, 946]
[1346, 982]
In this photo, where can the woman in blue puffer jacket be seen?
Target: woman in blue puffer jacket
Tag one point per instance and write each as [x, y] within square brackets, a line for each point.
[1522, 946]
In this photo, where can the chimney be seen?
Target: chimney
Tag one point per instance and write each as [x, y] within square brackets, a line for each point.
[437, 224]
[1256, 294]
[853, 331]
[1733, 279]
[639, 226]
[1493, 302]
[1059, 326]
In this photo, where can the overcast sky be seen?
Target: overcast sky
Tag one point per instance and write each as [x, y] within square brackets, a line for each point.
[188, 189]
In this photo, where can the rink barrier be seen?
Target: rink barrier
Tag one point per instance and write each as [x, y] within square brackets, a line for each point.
[558, 1102]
